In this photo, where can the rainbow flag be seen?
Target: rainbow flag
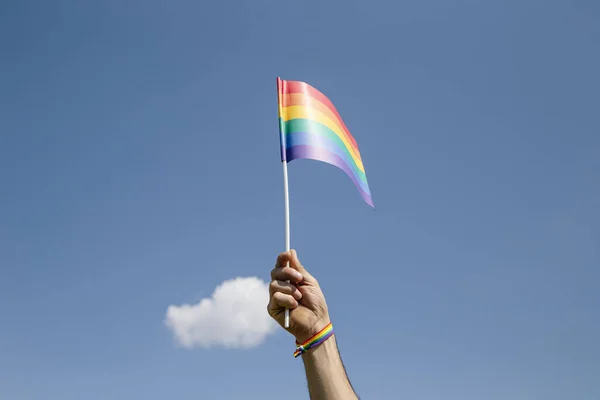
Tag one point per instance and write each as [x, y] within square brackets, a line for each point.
[310, 127]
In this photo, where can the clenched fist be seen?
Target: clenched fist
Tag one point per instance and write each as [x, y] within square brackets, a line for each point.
[302, 296]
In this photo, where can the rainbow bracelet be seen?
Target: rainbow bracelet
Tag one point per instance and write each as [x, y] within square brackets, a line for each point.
[314, 341]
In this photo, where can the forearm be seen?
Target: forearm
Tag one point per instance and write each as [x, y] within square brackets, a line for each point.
[325, 373]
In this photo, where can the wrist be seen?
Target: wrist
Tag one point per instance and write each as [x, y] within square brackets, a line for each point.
[317, 340]
[327, 353]
[313, 330]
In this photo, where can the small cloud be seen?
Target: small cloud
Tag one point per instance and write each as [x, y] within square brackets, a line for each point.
[234, 317]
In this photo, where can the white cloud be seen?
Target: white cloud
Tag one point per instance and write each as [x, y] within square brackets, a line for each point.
[234, 317]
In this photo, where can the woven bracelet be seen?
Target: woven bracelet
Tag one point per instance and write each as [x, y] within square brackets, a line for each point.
[314, 341]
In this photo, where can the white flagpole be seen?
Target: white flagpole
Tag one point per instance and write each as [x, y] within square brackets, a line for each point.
[287, 227]
[285, 189]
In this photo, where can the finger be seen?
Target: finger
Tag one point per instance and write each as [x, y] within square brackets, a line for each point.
[286, 274]
[285, 288]
[297, 265]
[283, 300]
[283, 259]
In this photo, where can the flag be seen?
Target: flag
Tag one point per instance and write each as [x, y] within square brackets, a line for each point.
[310, 127]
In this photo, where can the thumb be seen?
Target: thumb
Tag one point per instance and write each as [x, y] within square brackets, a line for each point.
[297, 265]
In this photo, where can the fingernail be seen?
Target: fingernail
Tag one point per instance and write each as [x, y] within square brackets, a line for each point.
[297, 295]
[297, 275]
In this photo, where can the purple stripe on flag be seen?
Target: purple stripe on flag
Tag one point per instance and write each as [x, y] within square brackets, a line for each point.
[319, 154]
[312, 139]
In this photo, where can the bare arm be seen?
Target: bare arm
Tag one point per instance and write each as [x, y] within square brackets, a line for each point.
[293, 287]
[325, 373]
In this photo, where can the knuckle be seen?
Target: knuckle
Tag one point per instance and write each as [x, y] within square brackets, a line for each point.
[281, 258]
[285, 287]
[287, 271]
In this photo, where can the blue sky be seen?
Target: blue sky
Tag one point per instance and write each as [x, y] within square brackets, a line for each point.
[139, 168]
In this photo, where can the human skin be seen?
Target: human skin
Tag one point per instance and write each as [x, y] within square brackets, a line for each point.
[294, 288]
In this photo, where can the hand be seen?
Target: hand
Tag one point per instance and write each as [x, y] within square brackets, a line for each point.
[302, 296]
